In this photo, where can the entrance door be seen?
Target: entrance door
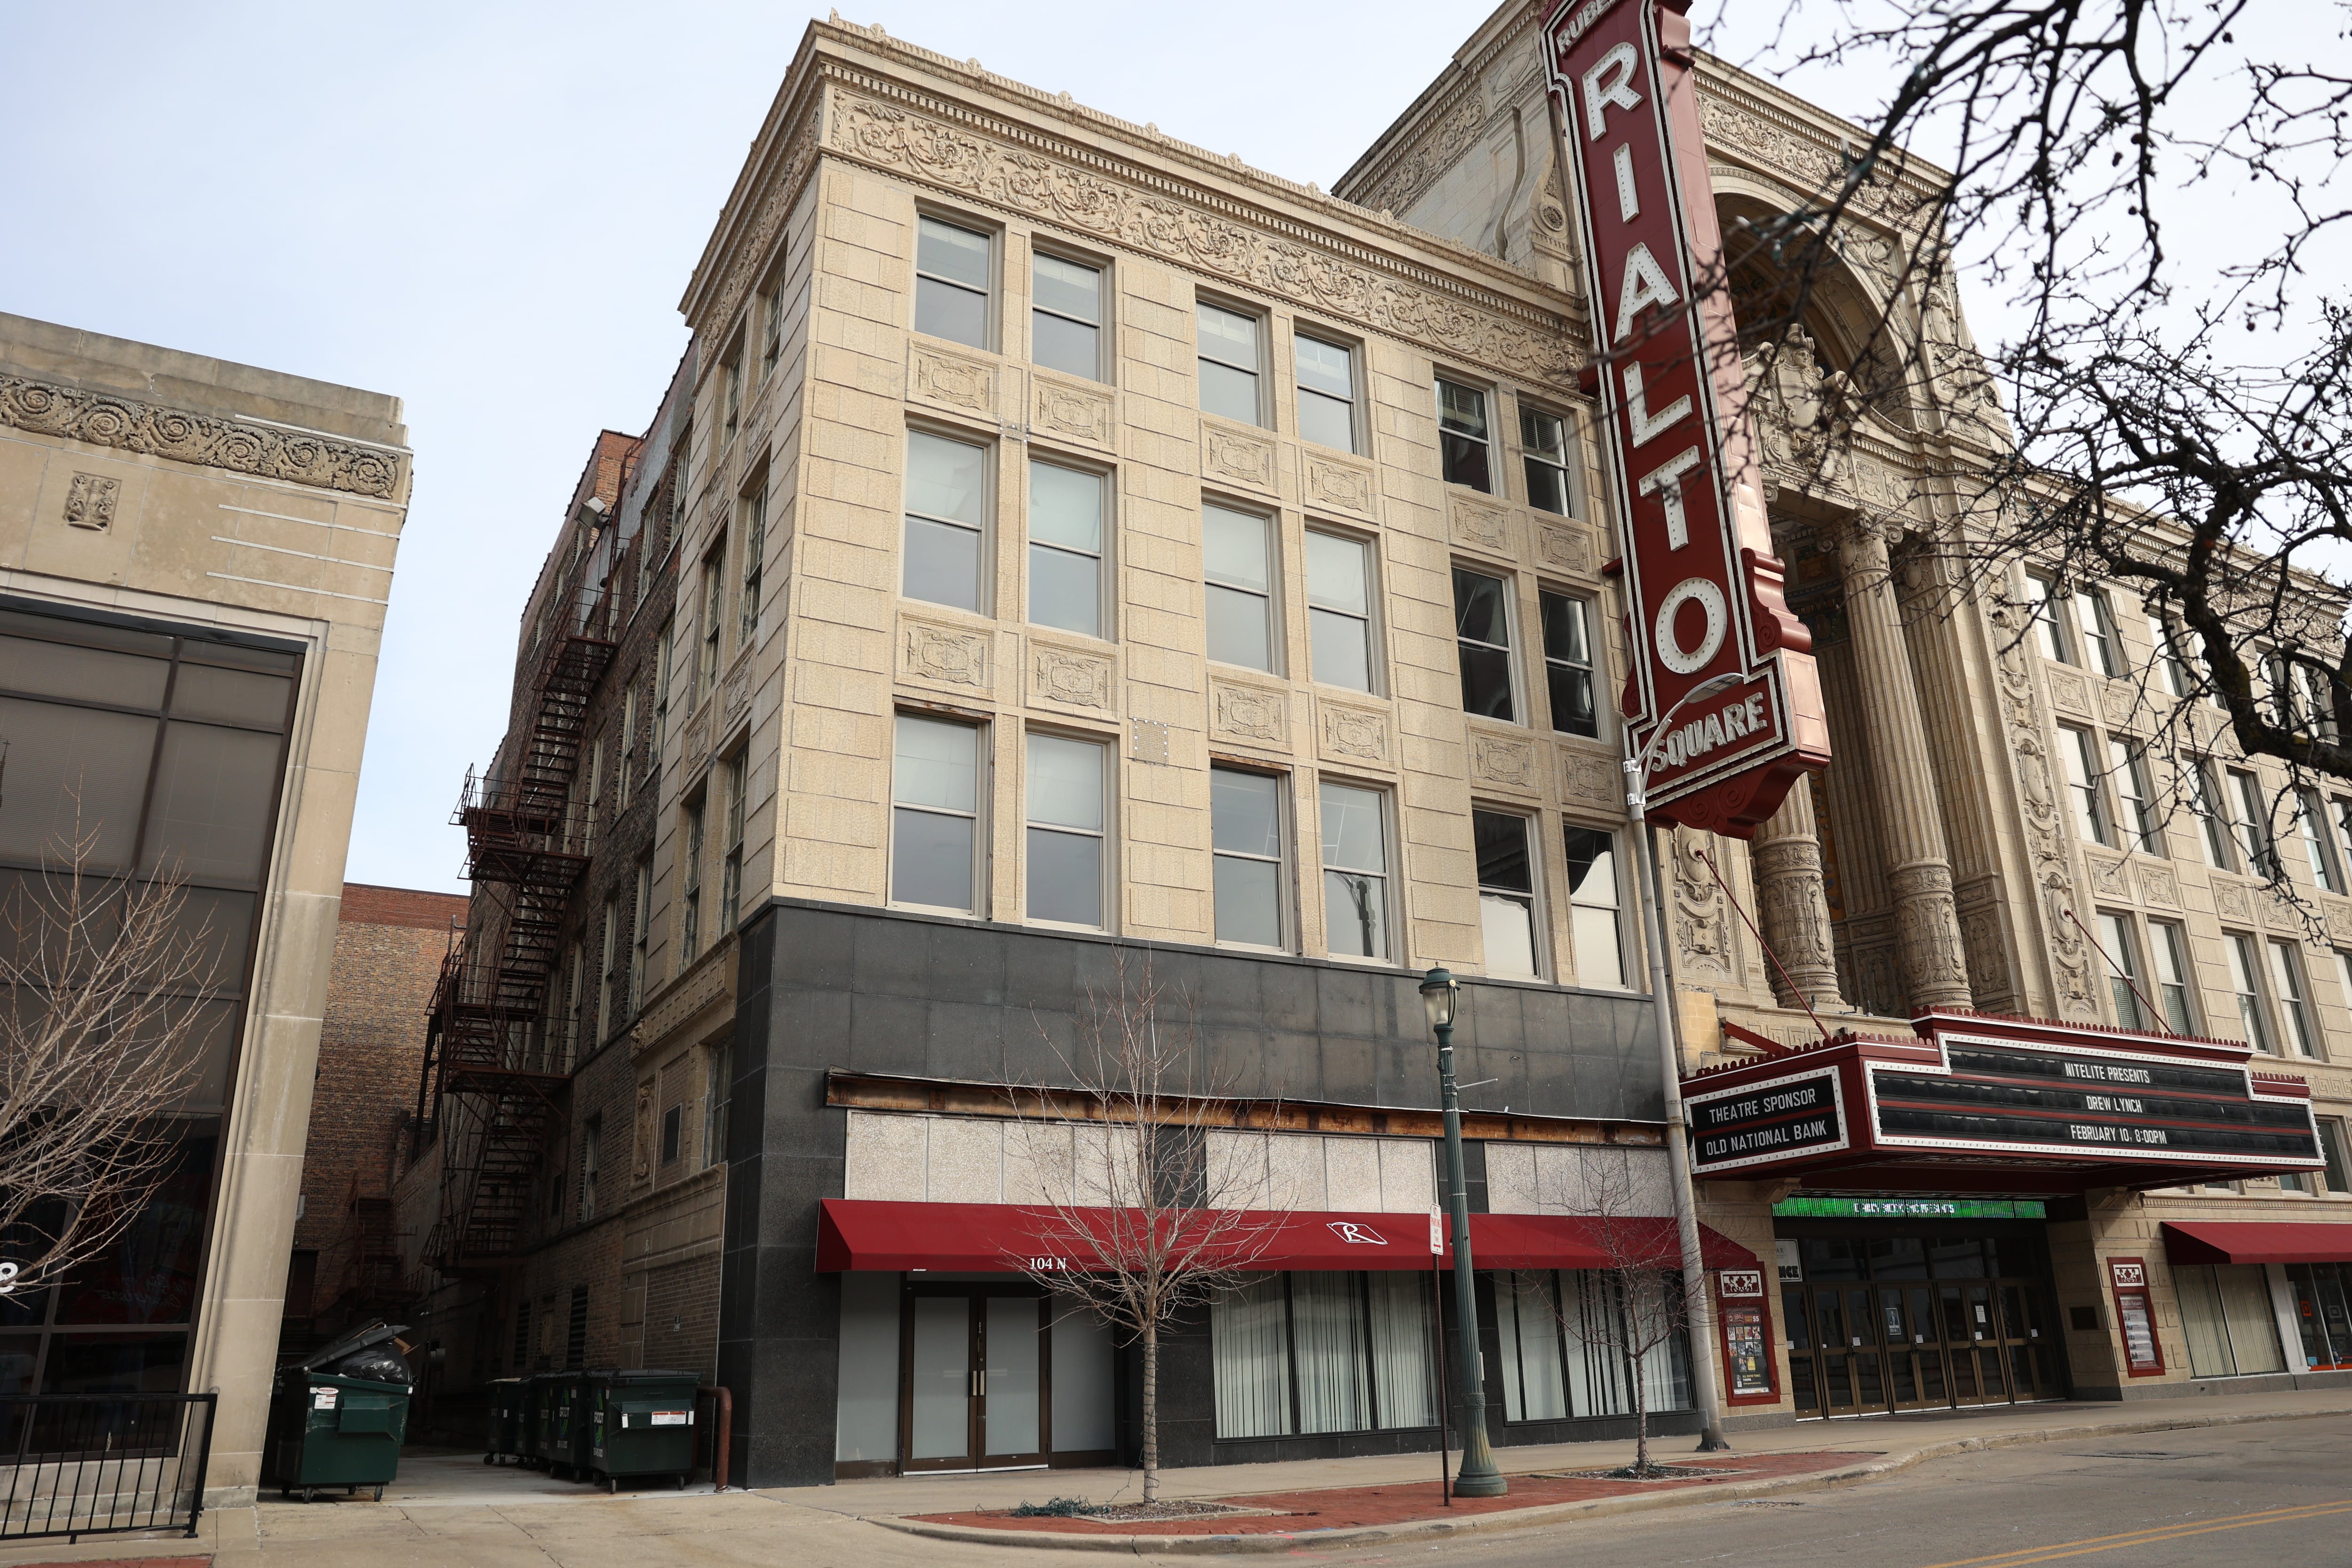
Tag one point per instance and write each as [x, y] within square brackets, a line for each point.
[1972, 1344]
[2026, 1341]
[1804, 1358]
[1852, 1370]
[972, 1357]
[1915, 1371]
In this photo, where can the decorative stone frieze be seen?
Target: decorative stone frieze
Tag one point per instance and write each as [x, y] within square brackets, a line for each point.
[952, 381]
[1590, 776]
[1345, 733]
[1064, 411]
[1069, 678]
[1333, 485]
[1566, 546]
[1236, 458]
[1251, 714]
[235, 445]
[1480, 525]
[942, 653]
[1503, 762]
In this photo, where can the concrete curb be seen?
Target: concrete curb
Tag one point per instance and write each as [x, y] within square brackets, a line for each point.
[1563, 1512]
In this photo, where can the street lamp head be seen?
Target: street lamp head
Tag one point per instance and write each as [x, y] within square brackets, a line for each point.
[1712, 684]
[1439, 993]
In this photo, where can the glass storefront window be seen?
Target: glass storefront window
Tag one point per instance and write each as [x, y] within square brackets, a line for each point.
[2225, 1316]
[2321, 1313]
[1562, 1358]
[1323, 1352]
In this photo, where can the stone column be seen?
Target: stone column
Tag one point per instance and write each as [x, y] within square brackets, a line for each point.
[1793, 904]
[1918, 868]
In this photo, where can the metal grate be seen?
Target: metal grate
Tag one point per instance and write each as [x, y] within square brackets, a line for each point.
[575, 1339]
[95, 1464]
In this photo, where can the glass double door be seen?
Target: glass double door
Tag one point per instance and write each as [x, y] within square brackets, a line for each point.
[973, 1359]
[1856, 1348]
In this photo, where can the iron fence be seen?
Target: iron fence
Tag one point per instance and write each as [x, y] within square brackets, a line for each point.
[92, 1464]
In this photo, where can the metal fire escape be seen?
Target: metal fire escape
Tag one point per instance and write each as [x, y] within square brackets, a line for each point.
[494, 1059]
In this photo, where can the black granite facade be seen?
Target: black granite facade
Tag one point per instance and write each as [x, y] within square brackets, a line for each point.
[830, 985]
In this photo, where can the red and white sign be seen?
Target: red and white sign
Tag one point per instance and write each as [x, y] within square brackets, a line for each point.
[1740, 1282]
[1356, 1234]
[1701, 585]
[2129, 1273]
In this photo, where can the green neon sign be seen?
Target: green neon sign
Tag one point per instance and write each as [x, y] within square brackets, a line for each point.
[1909, 1208]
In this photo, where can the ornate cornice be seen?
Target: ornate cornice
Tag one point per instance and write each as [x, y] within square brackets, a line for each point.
[1424, 141]
[210, 441]
[885, 126]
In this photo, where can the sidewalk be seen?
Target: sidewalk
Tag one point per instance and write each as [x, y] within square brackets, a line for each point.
[446, 1516]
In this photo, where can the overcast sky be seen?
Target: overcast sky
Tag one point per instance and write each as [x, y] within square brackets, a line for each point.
[490, 211]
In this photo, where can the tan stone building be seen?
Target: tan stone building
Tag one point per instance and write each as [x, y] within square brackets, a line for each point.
[1092, 547]
[195, 561]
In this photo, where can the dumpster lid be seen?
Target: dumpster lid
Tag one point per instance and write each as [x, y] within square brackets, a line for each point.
[353, 1342]
[650, 1374]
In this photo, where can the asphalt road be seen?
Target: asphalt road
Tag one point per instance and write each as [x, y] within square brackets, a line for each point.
[2271, 1493]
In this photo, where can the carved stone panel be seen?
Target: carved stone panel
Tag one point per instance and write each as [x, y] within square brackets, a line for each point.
[1504, 761]
[1345, 733]
[2339, 920]
[952, 381]
[1253, 715]
[2232, 902]
[2067, 691]
[940, 654]
[1592, 776]
[1337, 486]
[1481, 525]
[90, 504]
[1566, 547]
[2157, 887]
[2107, 876]
[1070, 677]
[1064, 411]
[2116, 700]
[1235, 458]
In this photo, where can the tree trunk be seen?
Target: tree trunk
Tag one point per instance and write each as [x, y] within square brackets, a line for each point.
[1641, 1423]
[1151, 1413]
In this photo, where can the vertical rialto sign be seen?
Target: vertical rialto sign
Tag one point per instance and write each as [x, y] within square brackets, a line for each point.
[1703, 588]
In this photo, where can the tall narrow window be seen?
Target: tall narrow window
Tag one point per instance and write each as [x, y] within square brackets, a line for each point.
[714, 608]
[2049, 631]
[1230, 358]
[1066, 316]
[1066, 831]
[1237, 562]
[935, 814]
[2097, 623]
[665, 671]
[730, 872]
[592, 1161]
[2332, 1149]
[641, 922]
[690, 927]
[608, 974]
[772, 317]
[2169, 948]
[1482, 632]
[1544, 451]
[953, 273]
[2254, 823]
[755, 559]
[2123, 971]
[2311, 821]
[2294, 998]
[1327, 394]
[1066, 548]
[1595, 907]
[1464, 442]
[2083, 786]
[2166, 652]
[2128, 765]
[947, 519]
[1340, 609]
[730, 395]
[624, 774]
[718, 1090]
[1246, 831]
[1507, 893]
[2245, 978]
[1568, 664]
[1355, 871]
[2213, 816]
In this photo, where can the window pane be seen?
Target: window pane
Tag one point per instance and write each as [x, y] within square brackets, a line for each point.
[947, 251]
[931, 859]
[946, 478]
[1249, 1342]
[1354, 832]
[1248, 902]
[1326, 368]
[1355, 913]
[1327, 1323]
[1487, 681]
[2123, 968]
[1572, 711]
[1592, 865]
[1335, 573]
[1238, 632]
[1065, 877]
[116, 1364]
[1465, 461]
[83, 675]
[232, 697]
[1566, 629]
[1065, 591]
[1229, 335]
[1244, 813]
[1065, 783]
[1232, 546]
[1600, 954]
[1068, 287]
[942, 563]
[1511, 932]
[1228, 394]
[1065, 506]
[943, 310]
[1342, 651]
[1059, 344]
[1502, 842]
[215, 793]
[73, 766]
[1326, 421]
[1401, 1377]
[1463, 409]
[937, 764]
[1479, 611]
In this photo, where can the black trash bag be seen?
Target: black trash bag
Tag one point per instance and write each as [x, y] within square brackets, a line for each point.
[378, 1364]
[373, 1353]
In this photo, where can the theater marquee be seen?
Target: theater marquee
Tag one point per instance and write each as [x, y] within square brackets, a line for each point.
[1701, 585]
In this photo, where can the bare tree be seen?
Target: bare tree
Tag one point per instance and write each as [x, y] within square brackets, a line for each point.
[1151, 1218]
[103, 1027]
[1634, 1305]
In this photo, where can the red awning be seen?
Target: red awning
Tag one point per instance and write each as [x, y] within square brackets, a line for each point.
[994, 1238]
[2257, 1241]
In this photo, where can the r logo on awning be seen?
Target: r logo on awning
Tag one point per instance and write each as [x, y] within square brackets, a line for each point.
[1355, 1235]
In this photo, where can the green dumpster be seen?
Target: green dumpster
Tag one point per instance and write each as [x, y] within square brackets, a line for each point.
[641, 1424]
[508, 1432]
[534, 1413]
[562, 1445]
[338, 1416]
